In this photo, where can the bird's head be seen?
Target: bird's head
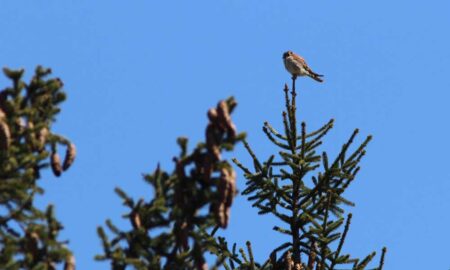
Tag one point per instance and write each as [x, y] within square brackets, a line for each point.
[287, 54]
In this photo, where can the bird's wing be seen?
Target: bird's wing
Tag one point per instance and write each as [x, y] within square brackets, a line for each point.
[299, 59]
[308, 69]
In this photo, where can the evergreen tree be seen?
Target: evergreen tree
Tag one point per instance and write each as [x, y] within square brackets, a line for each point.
[28, 235]
[170, 231]
[178, 226]
[308, 201]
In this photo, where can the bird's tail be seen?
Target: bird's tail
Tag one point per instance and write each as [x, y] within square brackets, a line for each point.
[316, 77]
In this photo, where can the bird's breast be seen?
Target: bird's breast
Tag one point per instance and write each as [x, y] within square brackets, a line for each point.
[294, 67]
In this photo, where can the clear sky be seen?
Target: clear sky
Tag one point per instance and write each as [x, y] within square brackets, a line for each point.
[140, 73]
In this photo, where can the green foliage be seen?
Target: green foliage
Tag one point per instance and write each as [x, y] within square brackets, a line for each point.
[303, 189]
[310, 204]
[170, 231]
[28, 235]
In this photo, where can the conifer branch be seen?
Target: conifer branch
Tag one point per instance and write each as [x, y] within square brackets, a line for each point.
[341, 241]
[321, 131]
[273, 140]
[29, 235]
[293, 119]
[314, 212]
[383, 253]
[274, 132]
[200, 179]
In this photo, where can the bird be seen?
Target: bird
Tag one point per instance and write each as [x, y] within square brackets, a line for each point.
[297, 66]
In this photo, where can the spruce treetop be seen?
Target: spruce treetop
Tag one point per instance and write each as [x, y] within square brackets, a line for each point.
[304, 190]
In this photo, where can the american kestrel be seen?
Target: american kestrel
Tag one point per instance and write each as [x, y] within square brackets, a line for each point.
[297, 66]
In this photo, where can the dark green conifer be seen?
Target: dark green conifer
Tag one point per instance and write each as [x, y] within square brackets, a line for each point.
[304, 189]
[175, 228]
[170, 231]
[28, 235]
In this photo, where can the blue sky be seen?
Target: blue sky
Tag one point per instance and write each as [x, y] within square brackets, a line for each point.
[139, 74]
